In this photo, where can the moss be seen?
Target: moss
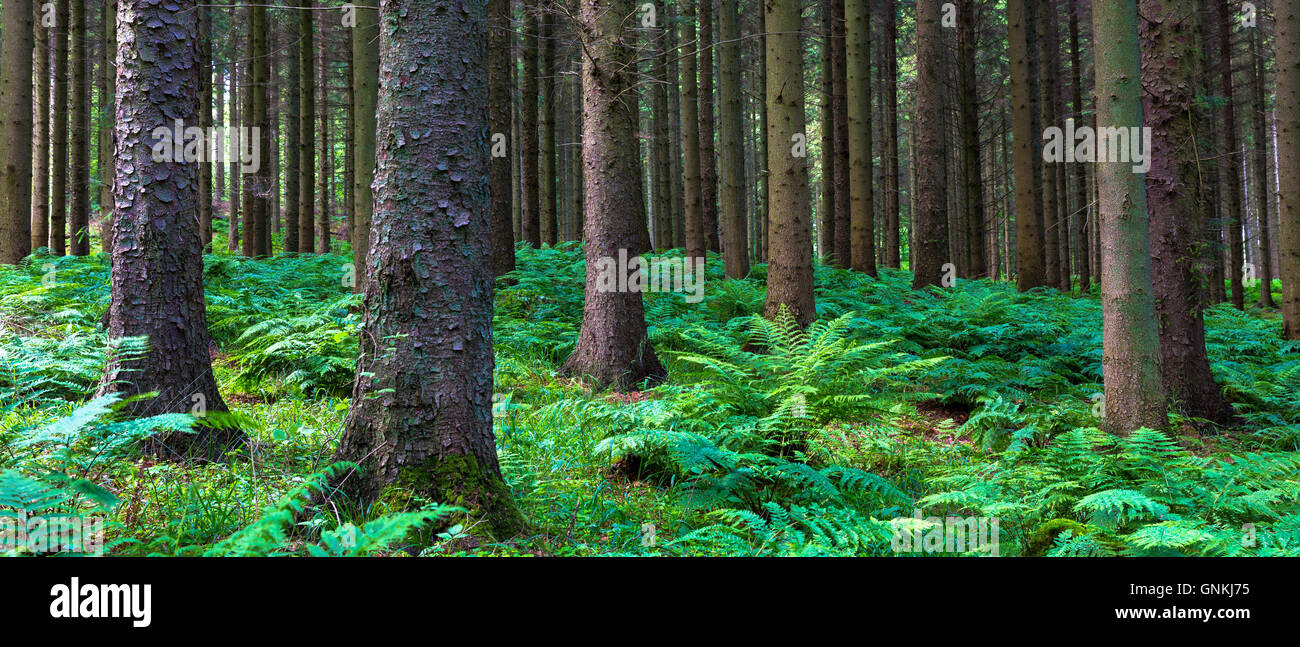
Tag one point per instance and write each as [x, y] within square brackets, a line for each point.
[457, 480]
[1045, 536]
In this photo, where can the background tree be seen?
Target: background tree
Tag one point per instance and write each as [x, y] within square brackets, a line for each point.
[862, 230]
[306, 130]
[708, 161]
[930, 248]
[528, 129]
[694, 215]
[157, 284]
[16, 137]
[735, 239]
[612, 345]
[40, 216]
[1029, 232]
[59, 135]
[1130, 341]
[1286, 44]
[499, 63]
[789, 272]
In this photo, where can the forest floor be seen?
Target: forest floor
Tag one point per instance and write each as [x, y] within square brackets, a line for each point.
[974, 402]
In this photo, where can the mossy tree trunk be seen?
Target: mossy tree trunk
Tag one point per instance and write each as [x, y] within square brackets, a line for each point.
[421, 416]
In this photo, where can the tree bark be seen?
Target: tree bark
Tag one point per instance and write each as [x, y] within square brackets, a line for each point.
[735, 240]
[893, 253]
[59, 134]
[695, 244]
[1231, 151]
[857, 19]
[931, 233]
[826, 215]
[1029, 232]
[205, 121]
[16, 139]
[708, 163]
[1287, 46]
[789, 272]
[293, 133]
[306, 129]
[1169, 81]
[547, 197]
[1047, 51]
[40, 216]
[528, 129]
[1080, 217]
[499, 64]
[157, 276]
[841, 175]
[420, 423]
[1130, 339]
[613, 348]
[1259, 119]
[972, 173]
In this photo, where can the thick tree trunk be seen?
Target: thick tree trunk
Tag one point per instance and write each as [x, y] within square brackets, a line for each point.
[1287, 46]
[612, 345]
[862, 218]
[16, 138]
[789, 272]
[695, 243]
[157, 285]
[1130, 340]
[1169, 77]
[420, 423]
[1029, 232]
[708, 163]
[499, 64]
[735, 241]
[306, 129]
[930, 248]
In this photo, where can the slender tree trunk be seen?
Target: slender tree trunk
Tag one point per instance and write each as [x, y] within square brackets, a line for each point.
[1286, 43]
[528, 129]
[236, 175]
[1169, 78]
[1047, 113]
[708, 163]
[1259, 118]
[306, 129]
[972, 173]
[499, 64]
[365, 80]
[1130, 339]
[931, 218]
[662, 188]
[547, 198]
[293, 132]
[612, 345]
[861, 203]
[1080, 217]
[790, 272]
[421, 415]
[16, 138]
[324, 157]
[40, 216]
[157, 284]
[735, 241]
[1231, 150]
[205, 121]
[59, 134]
[107, 90]
[695, 243]
[826, 215]
[841, 175]
[1029, 232]
[78, 131]
[892, 253]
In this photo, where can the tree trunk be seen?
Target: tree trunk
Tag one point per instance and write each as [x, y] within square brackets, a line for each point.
[857, 20]
[306, 129]
[499, 64]
[324, 157]
[612, 345]
[420, 423]
[1169, 79]
[16, 140]
[931, 234]
[708, 163]
[40, 216]
[1047, 111]
[893, 253]
[236, 175]
[840, 114]
[1029, 232]
[1080, 217]
[528, 129]
[59, 135]
[79, 134]
[293, 133]
[1130, 341]
[547, 199]
[205, 121]
[157, 284]
[972, 173]
[1287, 46]
[661, 189]
[790, 272]
[695, 244]
[1259, 119]
[1231, 151]
[735, 241]
[826, 215]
